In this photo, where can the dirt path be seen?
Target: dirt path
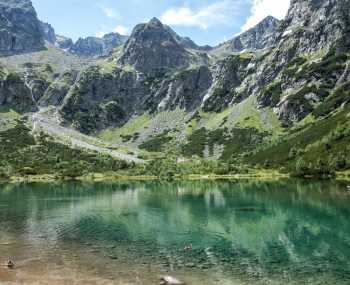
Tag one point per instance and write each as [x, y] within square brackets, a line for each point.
[47, 121]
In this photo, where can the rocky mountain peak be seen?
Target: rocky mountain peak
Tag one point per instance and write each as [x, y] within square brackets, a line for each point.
[152, 48]
[48, 32]
[20, 29]
[97, 47]
[259, 37]
[154, 22]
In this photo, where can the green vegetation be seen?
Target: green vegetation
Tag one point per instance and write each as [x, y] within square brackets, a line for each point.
[271, 94]
[340, 96]
[316, 149]
[235, 142]
[128, 131]
[156, 143]
[22, 154]
[324, 69]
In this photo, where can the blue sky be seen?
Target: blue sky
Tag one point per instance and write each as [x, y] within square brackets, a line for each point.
[205, 21]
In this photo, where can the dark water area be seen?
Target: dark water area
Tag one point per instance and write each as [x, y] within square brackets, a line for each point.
[286, 232]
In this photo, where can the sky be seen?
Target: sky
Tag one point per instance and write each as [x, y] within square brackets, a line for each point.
[205, 21]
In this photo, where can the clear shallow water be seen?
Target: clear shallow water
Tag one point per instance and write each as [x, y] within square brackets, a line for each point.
[290, 232]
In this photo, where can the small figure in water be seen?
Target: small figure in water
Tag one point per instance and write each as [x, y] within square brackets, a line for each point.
[188, 247]
[10, 264]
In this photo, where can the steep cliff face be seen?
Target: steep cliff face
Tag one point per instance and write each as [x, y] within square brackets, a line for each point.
[55, 93]
[186, 42]
[97, 47]
[152, 48]
[228, 77]
[184, 90]
[49, 35]
[259, 37]
[301, 71]
[98, 99]
[48, 32]
[63, 42]
[14, 93]
[313, 25]
[20, 29]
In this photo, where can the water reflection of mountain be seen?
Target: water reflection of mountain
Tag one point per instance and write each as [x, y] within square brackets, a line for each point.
[271, 228]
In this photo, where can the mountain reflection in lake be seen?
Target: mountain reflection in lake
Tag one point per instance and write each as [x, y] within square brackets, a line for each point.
[288, 232]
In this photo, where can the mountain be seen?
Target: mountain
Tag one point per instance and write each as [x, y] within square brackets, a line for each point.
[152, 48]
[270, 98]
[20, 29]
[86, 47]
[97, 47]
[186, 42]
[48, 32]
[259, 37]
[63, 42]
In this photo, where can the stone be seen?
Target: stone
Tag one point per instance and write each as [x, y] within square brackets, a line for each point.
[169, 280]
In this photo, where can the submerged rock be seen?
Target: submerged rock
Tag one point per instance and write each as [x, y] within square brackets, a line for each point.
[169, 280]
[10, 264]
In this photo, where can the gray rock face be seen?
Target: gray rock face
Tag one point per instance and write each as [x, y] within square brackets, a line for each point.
[310, 27]
[113, 40]
[185, 90]
[14, 93]
[50, 36]
[228, 75]
[48, 32]
[57, 90]
[152, 48]
[259, 37]
[20, 29]
[97, 47]
[99, 100]
[63, 42]
[186, 42]
[313, 25]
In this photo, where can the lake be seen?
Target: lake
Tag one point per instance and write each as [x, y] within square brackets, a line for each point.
[286, 232]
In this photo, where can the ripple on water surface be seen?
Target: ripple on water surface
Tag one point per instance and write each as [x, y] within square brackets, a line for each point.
[288, 232]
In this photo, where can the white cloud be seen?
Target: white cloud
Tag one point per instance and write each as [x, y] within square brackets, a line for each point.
[221, 12]
[109, 12]
[122, 30]
[263, 8]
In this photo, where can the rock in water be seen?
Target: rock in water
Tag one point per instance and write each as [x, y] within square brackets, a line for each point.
[169, 280]
[10, 264]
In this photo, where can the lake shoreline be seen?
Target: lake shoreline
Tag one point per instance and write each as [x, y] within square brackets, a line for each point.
[114, 177]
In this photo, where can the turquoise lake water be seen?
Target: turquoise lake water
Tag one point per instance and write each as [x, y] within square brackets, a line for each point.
[287, 232]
